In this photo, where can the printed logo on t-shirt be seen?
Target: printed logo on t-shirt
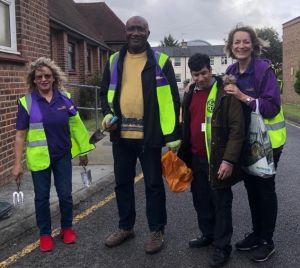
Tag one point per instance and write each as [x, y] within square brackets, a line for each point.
[61, 108]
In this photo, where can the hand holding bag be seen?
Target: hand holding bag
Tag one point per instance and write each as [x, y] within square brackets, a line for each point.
[258, 152]
[178, 176]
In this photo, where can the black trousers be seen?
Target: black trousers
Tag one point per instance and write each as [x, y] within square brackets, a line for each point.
[263, 202]
[125, 153]
[213, 207]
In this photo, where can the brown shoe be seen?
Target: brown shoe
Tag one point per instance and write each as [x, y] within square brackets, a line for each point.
[118, 237]
[155, 242]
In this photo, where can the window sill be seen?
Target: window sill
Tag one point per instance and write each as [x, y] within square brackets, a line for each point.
[12, 58]
[72, 72]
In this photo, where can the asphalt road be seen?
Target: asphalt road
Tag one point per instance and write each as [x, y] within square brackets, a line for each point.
[89, 251]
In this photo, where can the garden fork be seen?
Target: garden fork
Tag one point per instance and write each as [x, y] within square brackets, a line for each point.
[18, 196]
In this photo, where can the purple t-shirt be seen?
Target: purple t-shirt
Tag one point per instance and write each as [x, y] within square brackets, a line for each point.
[55, 121]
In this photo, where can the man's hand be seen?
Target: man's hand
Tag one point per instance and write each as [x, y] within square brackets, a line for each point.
[106, 123]
[83, 160]
[173, 145]
[225, 170]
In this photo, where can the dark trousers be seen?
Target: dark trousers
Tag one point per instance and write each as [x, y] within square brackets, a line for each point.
[62, 172]
[125, 153]
[263, 202]
[213, 207]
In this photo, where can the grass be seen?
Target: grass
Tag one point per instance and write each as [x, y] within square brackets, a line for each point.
[292, 112]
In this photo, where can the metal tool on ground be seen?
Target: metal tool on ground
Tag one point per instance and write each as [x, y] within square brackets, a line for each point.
[18, 196]
[98, 135]
[86, 177]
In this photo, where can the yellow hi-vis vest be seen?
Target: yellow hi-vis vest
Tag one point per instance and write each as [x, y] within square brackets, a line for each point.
[209, 109]
[163, 91]
[37, 153]
[276, 129]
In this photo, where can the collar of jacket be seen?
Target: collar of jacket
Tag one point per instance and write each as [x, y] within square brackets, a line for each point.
[220, 93]
[150, 59]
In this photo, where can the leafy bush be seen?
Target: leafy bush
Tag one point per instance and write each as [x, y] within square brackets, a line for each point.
[87, 96]
[297, 82]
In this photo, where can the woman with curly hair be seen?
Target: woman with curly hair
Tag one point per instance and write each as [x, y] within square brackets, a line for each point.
[49, 124]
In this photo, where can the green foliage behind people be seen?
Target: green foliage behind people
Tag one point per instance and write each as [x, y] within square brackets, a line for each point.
[88, 95]
[169, 41]
[297, 82]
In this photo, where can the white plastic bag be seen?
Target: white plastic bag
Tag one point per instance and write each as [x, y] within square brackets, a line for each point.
[258, 152]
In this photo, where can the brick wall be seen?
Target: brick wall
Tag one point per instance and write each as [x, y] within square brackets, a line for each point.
[32, 26]
[291, 59]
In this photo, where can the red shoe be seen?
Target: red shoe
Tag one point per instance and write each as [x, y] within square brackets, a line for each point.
[68, 235]
[46, 243]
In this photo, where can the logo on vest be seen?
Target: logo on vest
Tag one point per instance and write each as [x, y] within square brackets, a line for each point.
[210, 106]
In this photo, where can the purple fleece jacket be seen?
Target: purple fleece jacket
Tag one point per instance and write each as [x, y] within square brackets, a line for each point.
[266, 87]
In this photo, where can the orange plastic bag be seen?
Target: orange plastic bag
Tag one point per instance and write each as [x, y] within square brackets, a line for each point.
[176, 172]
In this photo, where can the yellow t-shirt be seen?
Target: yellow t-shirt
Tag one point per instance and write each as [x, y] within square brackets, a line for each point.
[131, 99]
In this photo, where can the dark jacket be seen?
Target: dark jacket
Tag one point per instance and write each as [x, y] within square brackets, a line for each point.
[153, 135]
[227, 127]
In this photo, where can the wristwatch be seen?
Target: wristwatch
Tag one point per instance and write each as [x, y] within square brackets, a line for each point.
[248, 100]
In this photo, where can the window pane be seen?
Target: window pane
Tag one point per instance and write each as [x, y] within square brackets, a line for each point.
[4, 25]
[71, 57]
[177, 61]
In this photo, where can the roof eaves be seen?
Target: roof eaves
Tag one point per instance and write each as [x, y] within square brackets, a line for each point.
[78, 32]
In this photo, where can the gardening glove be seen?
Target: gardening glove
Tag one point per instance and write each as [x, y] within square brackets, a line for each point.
[173, 145]
[106, 120]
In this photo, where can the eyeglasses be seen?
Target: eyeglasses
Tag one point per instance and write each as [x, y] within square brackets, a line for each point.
[40, 77]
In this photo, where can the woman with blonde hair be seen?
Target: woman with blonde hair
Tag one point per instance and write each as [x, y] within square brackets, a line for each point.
[49, 124]
[257, 83]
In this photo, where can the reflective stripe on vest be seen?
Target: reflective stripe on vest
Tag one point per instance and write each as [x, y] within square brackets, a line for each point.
[163, 91]
[276, 129]
[113, 63]
[37, 153]
[209, 109]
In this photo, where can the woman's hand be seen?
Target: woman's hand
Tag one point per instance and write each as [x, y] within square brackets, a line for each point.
[17, 171]
[83, 160]
[232, 89]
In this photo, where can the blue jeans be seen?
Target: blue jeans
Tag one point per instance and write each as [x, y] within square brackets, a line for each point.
[62, 172]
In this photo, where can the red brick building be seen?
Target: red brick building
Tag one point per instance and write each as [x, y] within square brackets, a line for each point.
[291, 59]
[53, 28]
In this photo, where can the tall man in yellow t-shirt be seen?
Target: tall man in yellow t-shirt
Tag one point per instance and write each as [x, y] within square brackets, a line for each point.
[140, 88]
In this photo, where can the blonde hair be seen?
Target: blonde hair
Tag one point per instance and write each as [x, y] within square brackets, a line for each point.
[257, 43]
[58, 75]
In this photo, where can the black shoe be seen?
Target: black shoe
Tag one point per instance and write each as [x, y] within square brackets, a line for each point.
[251, 241]
[200, 242]
[264, 252]
[220, 257]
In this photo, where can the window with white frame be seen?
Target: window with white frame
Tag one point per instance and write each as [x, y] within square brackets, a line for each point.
[177, 61]
[8, 39]
[212, 60]
[178, 77]
[224, 60]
